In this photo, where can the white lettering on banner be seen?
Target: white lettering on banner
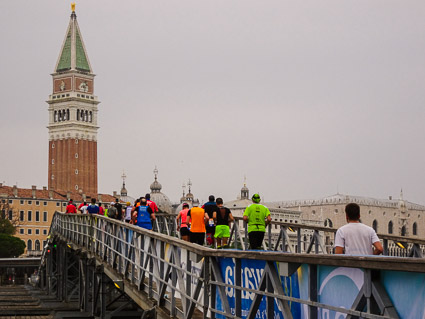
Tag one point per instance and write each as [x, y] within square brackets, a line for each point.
[251, 277]
[228, 280]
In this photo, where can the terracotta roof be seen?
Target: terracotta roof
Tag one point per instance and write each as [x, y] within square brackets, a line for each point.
[8, 191]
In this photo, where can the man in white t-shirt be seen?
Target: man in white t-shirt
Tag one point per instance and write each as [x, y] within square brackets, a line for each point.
[356, 238]
[83, 208]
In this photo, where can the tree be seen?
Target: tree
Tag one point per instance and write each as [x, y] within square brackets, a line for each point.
[11, 246]
[6, 227]
[7, 212]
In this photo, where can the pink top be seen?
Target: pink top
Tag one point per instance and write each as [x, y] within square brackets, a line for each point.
[183, 214]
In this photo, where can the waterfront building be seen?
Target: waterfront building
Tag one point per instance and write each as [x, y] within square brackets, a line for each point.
[33, 209]
[387, 216]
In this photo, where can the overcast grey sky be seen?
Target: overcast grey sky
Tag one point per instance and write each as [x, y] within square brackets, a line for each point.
[303, 97]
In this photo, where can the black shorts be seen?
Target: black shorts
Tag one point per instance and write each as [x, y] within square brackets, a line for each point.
[184, 231]
[197, 238]
[256, 239]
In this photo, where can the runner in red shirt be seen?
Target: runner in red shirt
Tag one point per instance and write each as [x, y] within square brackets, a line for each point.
[71, 209]
[151, 204]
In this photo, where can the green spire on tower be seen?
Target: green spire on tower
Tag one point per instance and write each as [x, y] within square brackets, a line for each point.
[73, 55]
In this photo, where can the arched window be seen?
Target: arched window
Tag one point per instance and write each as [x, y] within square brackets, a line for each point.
[403, 231]
[29, 244]
[55, 116]
[59, 116]
[37, 245]
[78, 115]
[328, 223]
[82, 115]
[415, 229]
[375, 225]
[390, 227]
[86, 116]
[90, 117]
[67, 114]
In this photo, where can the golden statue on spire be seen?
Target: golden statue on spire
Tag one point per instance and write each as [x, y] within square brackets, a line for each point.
[73, 6]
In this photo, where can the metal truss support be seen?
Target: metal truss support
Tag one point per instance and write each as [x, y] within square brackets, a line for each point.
[373, 298]
[270, 280]
[312, 290]
[415, 251]
[316, 240]
[84, 284]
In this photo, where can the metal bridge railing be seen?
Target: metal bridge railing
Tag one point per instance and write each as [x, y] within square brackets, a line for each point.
[184, 278]
[298, 238]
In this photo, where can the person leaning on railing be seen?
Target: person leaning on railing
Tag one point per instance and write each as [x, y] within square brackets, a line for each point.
[356, 238]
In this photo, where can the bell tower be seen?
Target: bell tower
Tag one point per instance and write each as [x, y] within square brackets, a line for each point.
[73, 118]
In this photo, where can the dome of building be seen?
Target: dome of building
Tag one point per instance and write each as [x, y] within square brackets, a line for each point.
[163, 202]
[186, 198]
[156, 187]
[124, 198]
[160, 199]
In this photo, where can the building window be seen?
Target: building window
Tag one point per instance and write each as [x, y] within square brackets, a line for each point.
[53, 161]
[328, 223]
[58, 204]
[44, 231]
[30, 202]
[53, 145]
[22, 231]
[403, 231]
[76, 172]
[37, 231]
[76, 155]
[29, 231]
[44, 203]
[45, 214]
[37, 216]
[390, 227]
[10, 215]
[29, 216]
[76, 187]
[63, 204]
[37, 245]
[22, 216]
[29, 245]
[415, 229]
[375, 225]
[76, 141]
[37, 203]
[10, 201]
[21, 202]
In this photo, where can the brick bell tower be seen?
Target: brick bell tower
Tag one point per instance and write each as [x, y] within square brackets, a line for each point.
[73, 118]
